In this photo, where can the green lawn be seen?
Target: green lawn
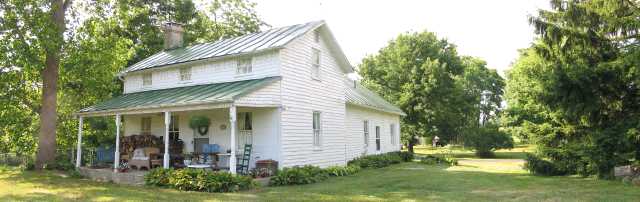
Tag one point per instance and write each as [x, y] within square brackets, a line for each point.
[474, 180]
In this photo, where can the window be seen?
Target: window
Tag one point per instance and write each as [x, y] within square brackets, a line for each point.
[315, 64]
[377, 138]
[316, 128]
[146, 79]
[174, 128]
[185, 74]
[316, 36]
[145, 125]
[366, 133]
[244, 66]
[392, 132]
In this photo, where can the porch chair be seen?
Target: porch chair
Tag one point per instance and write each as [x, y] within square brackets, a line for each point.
[145, 158]
[242, 167]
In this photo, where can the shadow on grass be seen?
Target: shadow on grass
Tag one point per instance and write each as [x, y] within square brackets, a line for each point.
[407, 181]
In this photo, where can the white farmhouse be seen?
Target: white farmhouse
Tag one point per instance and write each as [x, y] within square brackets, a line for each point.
[283, 91]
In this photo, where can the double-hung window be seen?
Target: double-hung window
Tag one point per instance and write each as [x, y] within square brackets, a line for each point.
[392, 132]
[174, 128]
[244, 66]
[315, 63]
[145, 125]
[147, 79]
[317, 128]
[185, 74]
[377, 138]
[366, 133]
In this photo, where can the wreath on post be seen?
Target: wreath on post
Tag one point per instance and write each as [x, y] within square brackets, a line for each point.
[200, 124]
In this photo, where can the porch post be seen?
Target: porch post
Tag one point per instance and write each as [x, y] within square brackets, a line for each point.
[116, 157]
[167, 121]
[232, 126]
[79, 153]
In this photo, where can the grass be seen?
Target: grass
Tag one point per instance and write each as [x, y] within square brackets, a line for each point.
[473, 180]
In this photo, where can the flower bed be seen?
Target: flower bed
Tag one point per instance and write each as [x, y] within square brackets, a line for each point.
[190, 179]
[311, 174]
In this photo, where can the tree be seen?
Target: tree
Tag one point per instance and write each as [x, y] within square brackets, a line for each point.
[486, 139]
[115, 34]
[438, 90]
[583, 85]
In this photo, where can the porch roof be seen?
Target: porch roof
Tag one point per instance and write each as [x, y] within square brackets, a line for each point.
[181, 96]
[357, 94]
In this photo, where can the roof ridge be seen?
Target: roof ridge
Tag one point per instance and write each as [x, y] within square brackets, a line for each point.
[223, 47]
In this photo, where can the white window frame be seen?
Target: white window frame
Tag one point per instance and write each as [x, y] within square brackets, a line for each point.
[365, 125]
[244, 66]
[316, 60]
[392, 133]
[378, 139]
[185, 73]
[147, 79]
[174, 126]
[145, 125]
[317, 128]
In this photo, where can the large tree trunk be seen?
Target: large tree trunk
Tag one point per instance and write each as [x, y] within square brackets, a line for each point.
[48, 115]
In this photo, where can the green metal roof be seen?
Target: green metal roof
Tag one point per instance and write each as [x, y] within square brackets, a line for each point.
[270, 39]
[199, 94]
[361, 96]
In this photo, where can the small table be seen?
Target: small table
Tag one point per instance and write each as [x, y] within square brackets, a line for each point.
[200, 166]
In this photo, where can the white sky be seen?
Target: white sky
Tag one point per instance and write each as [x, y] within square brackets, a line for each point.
[490, 29]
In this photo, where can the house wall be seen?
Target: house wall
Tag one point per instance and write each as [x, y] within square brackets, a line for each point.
[265, 130]
[302, 95]
[263, 65]
[355, 138]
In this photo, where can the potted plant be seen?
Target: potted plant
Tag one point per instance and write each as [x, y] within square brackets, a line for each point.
[200, 124]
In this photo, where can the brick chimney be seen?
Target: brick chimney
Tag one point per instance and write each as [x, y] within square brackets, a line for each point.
[173, 34]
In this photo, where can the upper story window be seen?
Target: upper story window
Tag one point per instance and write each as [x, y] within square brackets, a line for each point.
[244, 66]
[316, 128]
[185, 74]
[316, 36]
[147, 79]
[315, 64]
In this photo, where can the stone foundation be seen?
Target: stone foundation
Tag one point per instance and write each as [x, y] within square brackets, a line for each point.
[132, 177]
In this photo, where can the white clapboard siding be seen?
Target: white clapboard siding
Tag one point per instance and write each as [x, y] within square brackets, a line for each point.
[266, 96]
[302, 95]
[355, 137]
[263, 65]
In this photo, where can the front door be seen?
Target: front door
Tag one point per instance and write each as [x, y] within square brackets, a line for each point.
[198, 144]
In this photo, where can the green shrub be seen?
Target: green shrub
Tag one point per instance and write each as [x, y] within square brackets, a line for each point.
[486, 139]
[299, 175]
[198, 180]
[158, 177]
[406, 156]
[540, 166]
[381, 160]
[434, 160]
[338, 171]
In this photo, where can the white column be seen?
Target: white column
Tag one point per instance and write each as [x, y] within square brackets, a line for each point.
[232, 126]
[79, 153]
[116, 157]
[167, 121]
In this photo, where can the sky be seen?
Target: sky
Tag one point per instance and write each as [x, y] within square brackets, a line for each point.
[493, 30]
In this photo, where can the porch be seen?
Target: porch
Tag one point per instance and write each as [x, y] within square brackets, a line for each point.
[156, 128]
